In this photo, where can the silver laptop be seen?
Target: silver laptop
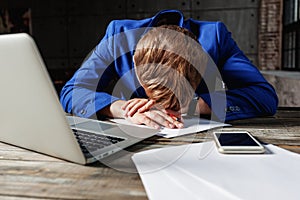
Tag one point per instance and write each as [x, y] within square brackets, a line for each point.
[31, 115]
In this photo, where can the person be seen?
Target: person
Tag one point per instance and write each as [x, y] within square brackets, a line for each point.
[143, 72]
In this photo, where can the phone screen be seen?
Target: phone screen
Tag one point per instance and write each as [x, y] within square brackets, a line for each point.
[235, 139]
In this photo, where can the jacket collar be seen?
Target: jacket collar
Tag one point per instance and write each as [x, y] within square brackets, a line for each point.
[167, 17]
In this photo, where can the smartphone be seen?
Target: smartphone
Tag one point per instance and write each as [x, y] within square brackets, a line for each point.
[237, 142]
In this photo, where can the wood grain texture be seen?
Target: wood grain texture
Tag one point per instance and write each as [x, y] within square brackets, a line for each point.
[29, 175]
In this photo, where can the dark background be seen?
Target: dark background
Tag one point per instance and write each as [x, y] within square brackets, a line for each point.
[67, 30]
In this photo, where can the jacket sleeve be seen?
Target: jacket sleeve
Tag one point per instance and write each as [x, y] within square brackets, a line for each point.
[248, 94]
[84, 94]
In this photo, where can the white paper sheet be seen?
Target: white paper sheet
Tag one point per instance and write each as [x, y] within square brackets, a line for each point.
[198, 171]
[191, 125]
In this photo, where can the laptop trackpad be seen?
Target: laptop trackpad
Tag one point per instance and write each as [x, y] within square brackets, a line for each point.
[94, 126]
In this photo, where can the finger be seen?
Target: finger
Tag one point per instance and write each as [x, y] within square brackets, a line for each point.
[136, 107]
[141, 118]
[179, 124]
[147, 106]
[161, 118]
[129, 107]
[177, 118]
[130, 103]
[134, 102]
[175, 113]
[123, 107]
[149, 122]
[175, 121]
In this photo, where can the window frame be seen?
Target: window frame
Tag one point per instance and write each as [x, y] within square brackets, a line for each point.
[291, 35]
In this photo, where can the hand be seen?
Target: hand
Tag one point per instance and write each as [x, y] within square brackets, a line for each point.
[136, 105]
[175, 115]
[201, 108]
[155, 118]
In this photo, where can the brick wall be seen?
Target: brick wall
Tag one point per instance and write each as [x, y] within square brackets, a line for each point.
[269, 34]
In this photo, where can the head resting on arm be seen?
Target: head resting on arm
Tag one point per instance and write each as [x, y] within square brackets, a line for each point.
[169, 62]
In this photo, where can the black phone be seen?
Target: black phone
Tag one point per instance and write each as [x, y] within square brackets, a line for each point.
[237, 142]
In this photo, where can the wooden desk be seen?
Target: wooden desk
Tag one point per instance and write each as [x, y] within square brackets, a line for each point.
[28, 175]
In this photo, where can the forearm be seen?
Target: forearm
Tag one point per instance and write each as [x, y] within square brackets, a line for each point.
[251, 101]
[202, 107]
[113, 110]
[259, 100]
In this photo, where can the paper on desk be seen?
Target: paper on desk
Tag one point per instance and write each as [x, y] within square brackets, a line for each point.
[191, 125]
[198, 171]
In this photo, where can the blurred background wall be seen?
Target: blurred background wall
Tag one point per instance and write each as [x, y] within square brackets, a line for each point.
[67, 30]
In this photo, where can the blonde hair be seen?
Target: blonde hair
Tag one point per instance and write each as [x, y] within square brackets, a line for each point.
[168, 62]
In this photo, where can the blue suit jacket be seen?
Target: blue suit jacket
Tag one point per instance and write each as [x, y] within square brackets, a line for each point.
[108, 73]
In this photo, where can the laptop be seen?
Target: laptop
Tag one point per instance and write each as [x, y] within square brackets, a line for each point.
[32, 117]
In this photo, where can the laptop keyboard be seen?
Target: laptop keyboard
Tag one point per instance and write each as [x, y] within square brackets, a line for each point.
[91, 142]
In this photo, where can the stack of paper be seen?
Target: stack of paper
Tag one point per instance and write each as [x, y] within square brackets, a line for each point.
[199, 171]
[191, 125]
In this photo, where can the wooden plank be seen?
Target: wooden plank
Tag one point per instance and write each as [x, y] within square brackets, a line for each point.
[19, 198]
[293, 113]
[68, 181]
[10, 152]
[29, 175]
[295, 149]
